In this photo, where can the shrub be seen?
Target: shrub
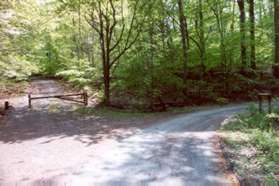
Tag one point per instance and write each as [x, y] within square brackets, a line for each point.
[222, 101]
[257, 128]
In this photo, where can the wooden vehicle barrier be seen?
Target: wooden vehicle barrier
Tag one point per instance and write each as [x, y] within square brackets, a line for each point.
[4, 108]
[69, 97]
[6, 105]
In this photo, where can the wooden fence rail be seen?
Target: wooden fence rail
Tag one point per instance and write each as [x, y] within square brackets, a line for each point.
[69, 97]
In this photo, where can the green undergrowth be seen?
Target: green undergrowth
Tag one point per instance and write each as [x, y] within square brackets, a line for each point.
[12, 87]
[126, 113]
[252, 144]
[110, 112]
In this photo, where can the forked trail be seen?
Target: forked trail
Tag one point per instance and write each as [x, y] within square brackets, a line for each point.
[50, 146]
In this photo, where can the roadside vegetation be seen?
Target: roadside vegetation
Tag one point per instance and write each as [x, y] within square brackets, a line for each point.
[9, 88]
[251, 144]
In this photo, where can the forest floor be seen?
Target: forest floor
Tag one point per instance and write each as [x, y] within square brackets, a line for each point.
[61, 143]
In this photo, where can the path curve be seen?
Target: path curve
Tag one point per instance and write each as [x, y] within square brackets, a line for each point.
[42, 148]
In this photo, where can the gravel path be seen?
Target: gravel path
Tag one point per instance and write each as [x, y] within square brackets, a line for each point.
[46, 146]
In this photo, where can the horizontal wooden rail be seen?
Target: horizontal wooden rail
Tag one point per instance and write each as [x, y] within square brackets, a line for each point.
[73, 100]
[84, 97]
[56, 96]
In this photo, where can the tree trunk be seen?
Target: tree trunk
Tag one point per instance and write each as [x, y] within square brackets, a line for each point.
[201, 37]
[218, 11]
[252, 34]
[105, 59]
[183, 31]
[79, 34]
[105, 21]
[276, 31]
[106, 74]
[151, 65]
[242, 18]
[232, 26]
[106, 78]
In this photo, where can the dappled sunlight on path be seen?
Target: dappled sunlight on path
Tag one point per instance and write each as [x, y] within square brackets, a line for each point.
[146, 157]
[57, 146]
[61, 148]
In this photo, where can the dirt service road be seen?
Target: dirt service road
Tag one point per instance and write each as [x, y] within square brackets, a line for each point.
[41, 147]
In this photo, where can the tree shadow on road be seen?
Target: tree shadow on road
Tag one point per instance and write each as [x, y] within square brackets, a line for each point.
[25, 124]
[150, 159]
[138, 155]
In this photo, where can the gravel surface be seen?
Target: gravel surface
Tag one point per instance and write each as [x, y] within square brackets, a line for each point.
[51, 145]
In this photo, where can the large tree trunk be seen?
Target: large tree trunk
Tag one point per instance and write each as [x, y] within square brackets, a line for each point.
[252, 34]
[105, 58]
[106, 76]
[276, 31]
[242, 18]
[183, 31]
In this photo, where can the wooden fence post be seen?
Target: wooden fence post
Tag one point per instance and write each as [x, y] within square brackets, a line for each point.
[6, 105]
[261, 97]
[85, 98]
[260, 104]
[29, 101]
[269, 104]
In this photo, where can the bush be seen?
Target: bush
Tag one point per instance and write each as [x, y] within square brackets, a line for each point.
[273, 120]
[268, 143]
[256, 120]
[17, 68]
[81, 76]
[222, 101]
[257, 126]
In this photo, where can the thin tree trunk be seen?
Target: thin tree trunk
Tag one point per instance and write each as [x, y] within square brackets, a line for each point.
[183, 32]
[201, 37]
[232, 32]
[261, 14]
[151, 64]
[242, 18]
[79, 33]
[218, 12]
[276, 31]
[252, 34]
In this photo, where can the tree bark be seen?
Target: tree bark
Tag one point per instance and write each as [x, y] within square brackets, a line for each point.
[201, 37]
[252, 34]
[276, 31]
[106, 76]
[218, 13]
[184, 39]
[232, 26]
[242, 17]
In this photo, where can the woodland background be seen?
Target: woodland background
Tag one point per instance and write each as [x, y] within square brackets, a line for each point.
[144, 54]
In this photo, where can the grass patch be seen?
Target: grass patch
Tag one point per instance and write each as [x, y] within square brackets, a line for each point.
[252, 142]
[111, 112]
[114, 112]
